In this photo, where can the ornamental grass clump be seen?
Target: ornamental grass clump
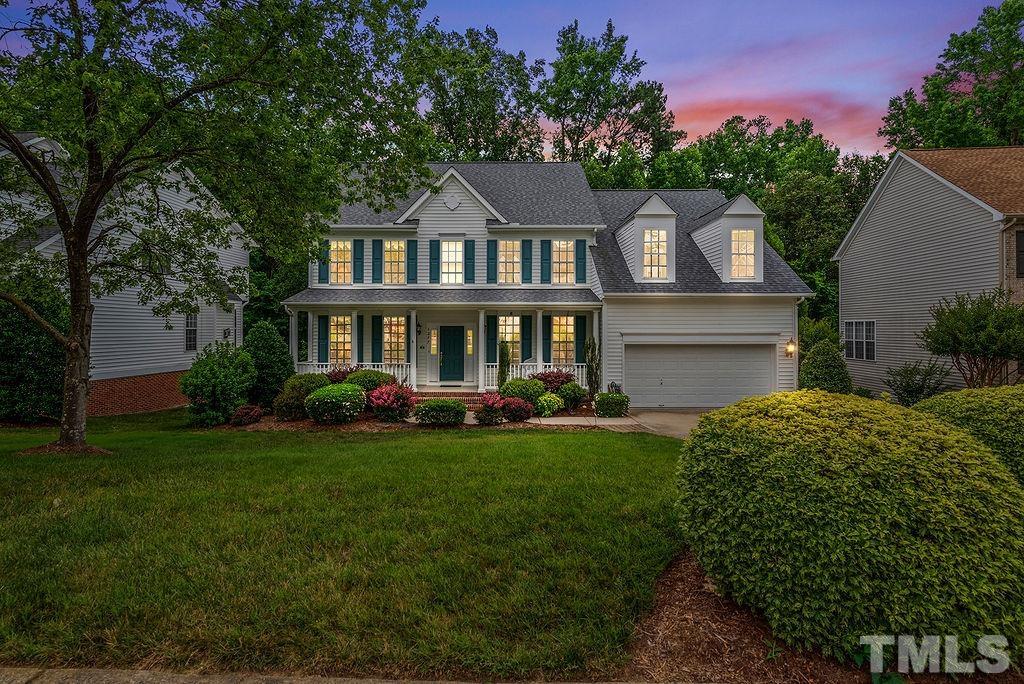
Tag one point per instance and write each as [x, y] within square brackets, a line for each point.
[341, 403]
[836, 516]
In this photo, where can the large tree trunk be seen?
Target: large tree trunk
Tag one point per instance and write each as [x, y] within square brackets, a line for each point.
[76, 369]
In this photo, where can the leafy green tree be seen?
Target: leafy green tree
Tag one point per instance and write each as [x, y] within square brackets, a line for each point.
[270, 282]
[681, 168]
[976, 94]
[276, 105]
[482, 100]
[625, 170]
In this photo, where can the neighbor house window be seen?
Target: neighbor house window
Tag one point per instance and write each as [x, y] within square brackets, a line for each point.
[341, 262]
[451, 262]
[510, 269]
[191, 332]
[341, 339]
[394, 262]
[859, 340]
[508, 331]
[394, 339]
[742, 252]
[563, 340]
[563, 262]
[655, 254]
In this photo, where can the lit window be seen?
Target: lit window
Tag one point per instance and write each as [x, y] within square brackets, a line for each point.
[563, 262]
[509, 265]
[191, 331]
[743, 253]
[563, 340]
[394, 339]
[508, 331]
[394, 262]
[451, 262]
[341, 339]
[655, 254]
[859, 340]
[469, 342]
[433, 342]
[341, 262]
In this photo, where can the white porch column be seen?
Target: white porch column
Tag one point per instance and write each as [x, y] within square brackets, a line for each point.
[293, 337]
[539, 340]
[600, 350]
[309, 336]
[414, 338]
[480, 348]
[352, 358]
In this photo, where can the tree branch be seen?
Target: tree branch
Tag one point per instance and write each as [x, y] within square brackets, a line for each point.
[31, 314]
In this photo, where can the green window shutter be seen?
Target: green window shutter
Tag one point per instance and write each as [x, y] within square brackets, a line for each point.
[526, 249]
[545, 261]
[321, 339]
[412, 261]
[492, 261]
[358, 270]
[435, 261]
[377, 270]
[469, 261]
[492, 339]
[580, 331]
[526, 336]
[324, 263]
[546, 341]
[581, 261]
[376, 339]
[359, 338]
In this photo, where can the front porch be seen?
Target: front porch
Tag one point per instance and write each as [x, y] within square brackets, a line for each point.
[442, 348]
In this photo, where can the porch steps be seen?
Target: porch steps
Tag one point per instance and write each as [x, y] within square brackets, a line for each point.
[470, 399]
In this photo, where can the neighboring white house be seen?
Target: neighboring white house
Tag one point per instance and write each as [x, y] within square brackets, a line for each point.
[136, 357]
[940, 222]
[691, 307]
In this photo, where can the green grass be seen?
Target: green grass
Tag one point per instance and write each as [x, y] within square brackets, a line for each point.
[463, 553]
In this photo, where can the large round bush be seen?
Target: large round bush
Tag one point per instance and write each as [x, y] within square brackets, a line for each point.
[290, 404]
[440, 412]
[369, 379]
[527, 390]
[217, 383]
[995, 415]
[341, 403]
[837, 516]
[32, 372]
[273, 362]
[825, 368]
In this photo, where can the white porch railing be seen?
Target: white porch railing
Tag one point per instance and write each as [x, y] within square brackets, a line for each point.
[401, 371]
[525, 370]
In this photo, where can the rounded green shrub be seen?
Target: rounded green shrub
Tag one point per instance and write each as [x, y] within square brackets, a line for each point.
[548, 404]
[290, 403]
[572, 394]
[440, 412]
[825, 368]
[837, 516]
[522, 388]
[217, 383]
[370, 380]
[994, 415]
[32, 374]
[611, 404]
[273, 361]
[341, 403]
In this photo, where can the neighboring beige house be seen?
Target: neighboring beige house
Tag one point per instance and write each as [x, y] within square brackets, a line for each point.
[691, 307]
[939, 223]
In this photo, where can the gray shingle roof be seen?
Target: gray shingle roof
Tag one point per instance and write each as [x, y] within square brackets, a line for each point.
[444, 295]
[528, 193]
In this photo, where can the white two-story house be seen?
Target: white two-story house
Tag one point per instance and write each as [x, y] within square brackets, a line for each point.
[689, 305]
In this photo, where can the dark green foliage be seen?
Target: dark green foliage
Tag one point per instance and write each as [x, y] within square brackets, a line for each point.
[548, 404]
[440, 412]
[863, 392]
[836, 516]
[504, 361]
[825, 368]
[273, 362]
[592, 356]
[370, 380]
[218, 382]
[611, 404]
[527, 390]
[812, 332]
[917, 381]
[572, 394]
[290, 404]
[994, 415]
[32, 370]
[341, 403]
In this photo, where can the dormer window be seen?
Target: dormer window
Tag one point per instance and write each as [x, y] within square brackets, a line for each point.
[563, 262]
[743, 254]
[655, 254]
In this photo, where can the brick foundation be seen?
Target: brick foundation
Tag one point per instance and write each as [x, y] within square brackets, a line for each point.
[1011, 282]
[135, 394]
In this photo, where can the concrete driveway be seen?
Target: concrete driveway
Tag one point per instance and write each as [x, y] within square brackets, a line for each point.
[670, 422]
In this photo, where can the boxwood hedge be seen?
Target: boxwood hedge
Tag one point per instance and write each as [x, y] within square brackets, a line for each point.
[440, 412]
[340, 403]
[995, 415]
[837, 516]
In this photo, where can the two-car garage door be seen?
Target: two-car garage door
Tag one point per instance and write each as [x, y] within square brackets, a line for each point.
[697, 375]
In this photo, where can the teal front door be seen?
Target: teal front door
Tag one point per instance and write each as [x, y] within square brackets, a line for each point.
[453, 340]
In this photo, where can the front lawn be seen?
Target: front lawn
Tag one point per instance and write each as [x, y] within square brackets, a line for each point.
[450, 554]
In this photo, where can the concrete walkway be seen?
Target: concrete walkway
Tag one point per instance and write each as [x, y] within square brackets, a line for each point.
[627, 424]
[672, 423]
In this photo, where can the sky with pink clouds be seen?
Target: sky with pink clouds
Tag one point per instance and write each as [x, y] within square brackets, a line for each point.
[837, 63]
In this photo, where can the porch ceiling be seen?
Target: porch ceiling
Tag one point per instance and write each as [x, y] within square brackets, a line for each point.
[445, 295]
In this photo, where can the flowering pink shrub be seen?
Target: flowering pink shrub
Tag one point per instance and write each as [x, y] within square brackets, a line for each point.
[554, 379]
[489, 412]
[516, 410]
[392, 403]
[340, 374]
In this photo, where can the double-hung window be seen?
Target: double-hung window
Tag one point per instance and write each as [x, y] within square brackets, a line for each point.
[563, 262]
[394, 262]
[655, 254]
[191, 331]
[743, 253]
[341, 339]
[394, 339]
[341, 262]
[451, 262]
[859, 340]
[563, 340]
[510, 267]
[508, 331]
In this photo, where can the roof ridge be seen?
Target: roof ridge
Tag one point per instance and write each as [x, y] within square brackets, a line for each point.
[955, 149]
[655, 190]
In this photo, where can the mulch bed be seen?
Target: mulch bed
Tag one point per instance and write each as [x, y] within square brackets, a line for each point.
[367, 423]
